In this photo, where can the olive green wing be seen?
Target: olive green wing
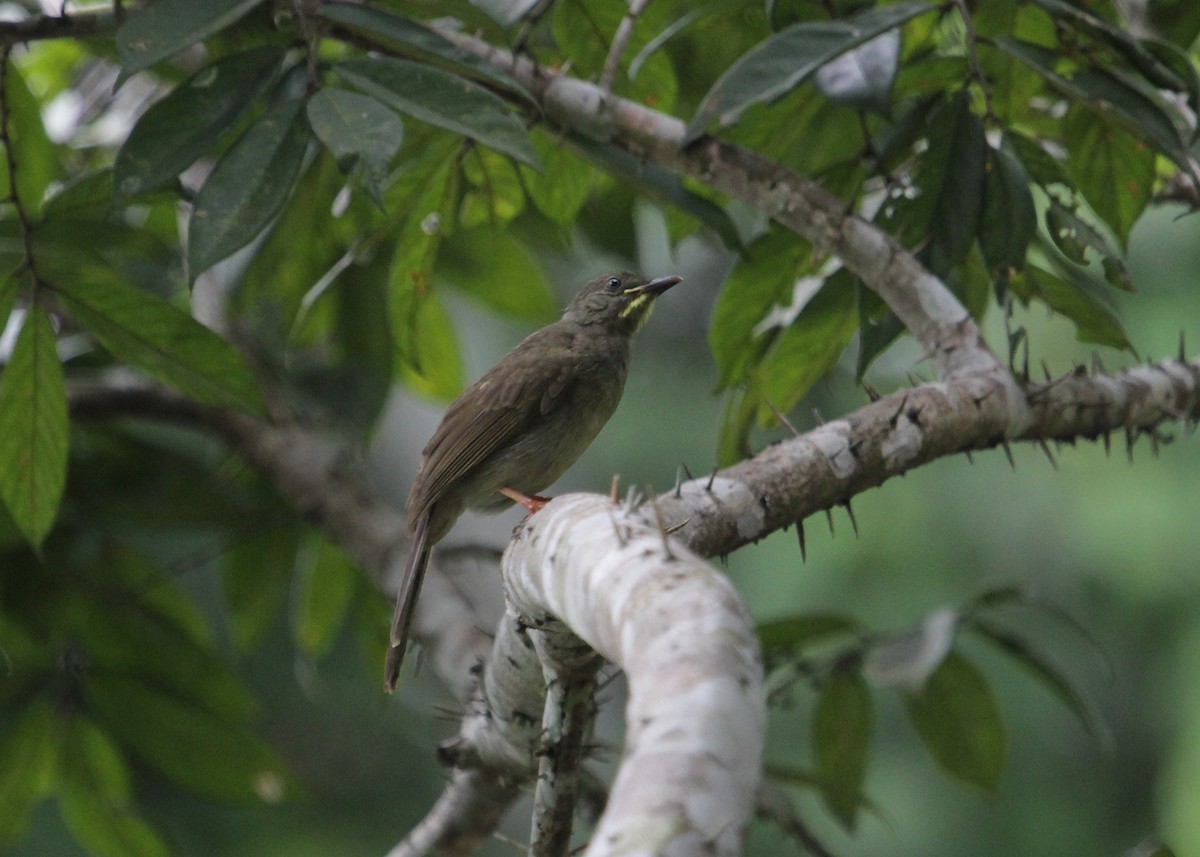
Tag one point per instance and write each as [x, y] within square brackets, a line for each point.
[529, 382]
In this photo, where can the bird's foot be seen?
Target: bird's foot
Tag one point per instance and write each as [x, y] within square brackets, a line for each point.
[533, 503]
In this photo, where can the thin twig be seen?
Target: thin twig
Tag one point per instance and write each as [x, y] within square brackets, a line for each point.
[13, 198]
[620, 40]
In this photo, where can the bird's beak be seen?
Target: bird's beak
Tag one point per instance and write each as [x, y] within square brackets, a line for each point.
[656, 287]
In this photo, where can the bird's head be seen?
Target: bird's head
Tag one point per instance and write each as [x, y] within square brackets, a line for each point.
[618, 301]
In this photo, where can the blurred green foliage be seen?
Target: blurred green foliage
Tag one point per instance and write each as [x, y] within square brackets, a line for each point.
[189, 669]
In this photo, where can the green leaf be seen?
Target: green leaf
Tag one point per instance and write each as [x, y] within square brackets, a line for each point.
[583, 33]
[189, 121]
[248, 186]
[254, 579]
[493, 267]
[36, 157]
[163, 28]
[956, 717]
[33, 429]
[562, 186]
[796, 632]
[492, 194]
[841, 737]
[1041, 166]
[808, 347]
[1009, 219]
[1178, 20]
[1075, 299]
[506, 12]
[1113, 169]
[442, 99]
[357, 129]
[1074, 236]
[30, 750]
[106, 831]
[1108, 95]
[951, 181]
[659, 184]
[430, 362]
[426, 347]
[327, 583]
[131, 640]
[1050, 676]
[1135, 51]
[786, 59]
[147, 332]
[415, 38]
[765, 276]
[197, 749]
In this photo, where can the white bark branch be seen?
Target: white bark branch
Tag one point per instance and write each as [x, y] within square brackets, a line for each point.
[922, 302]
[696, 712]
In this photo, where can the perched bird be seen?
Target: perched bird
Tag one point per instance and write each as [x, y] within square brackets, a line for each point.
[515, 430]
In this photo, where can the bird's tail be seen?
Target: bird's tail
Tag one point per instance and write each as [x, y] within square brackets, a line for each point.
[406, 601]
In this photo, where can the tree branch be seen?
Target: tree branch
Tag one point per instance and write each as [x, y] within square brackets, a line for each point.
[696, 714]
[921, 301]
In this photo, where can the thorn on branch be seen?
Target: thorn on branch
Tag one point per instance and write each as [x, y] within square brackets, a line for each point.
[853, 520]
[829, 519]
[872, 393]
[1049, 455]
[782, 417]
[1008, 453]
[800, 537]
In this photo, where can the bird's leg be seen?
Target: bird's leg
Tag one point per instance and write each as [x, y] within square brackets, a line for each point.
[533, 503]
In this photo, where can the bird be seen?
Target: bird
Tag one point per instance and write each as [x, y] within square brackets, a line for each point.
[512, 433]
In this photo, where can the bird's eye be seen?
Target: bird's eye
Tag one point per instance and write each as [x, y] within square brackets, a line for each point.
[614, 283]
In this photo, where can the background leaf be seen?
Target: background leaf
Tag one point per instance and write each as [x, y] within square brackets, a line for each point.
[957, 719]
[164, 28]
[165, 342]
[249, 185]
[785, 60]
[442, 99]
[357, 128]
[174, 132]
[33, 428]
[841, 735]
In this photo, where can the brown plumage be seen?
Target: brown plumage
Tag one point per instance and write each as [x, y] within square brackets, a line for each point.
[522, 424]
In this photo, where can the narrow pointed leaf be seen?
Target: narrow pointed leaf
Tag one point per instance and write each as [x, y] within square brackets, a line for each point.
[33, 429]
[327, 582]
[661, 185]
[951, 179]
[1108, 95]
[1113, 169]
[162, 29]
[1009, 219]
[1050, 676]
[1074, 236]
[442, 99]
[788, 58]
[1078, 300]
[188, 122]
[414, 37]
[357, 128]
[147, 332]
[197, 749]
[956, 717]
[796, 632]
[841, 737]
[807, 348]
[248, 186]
